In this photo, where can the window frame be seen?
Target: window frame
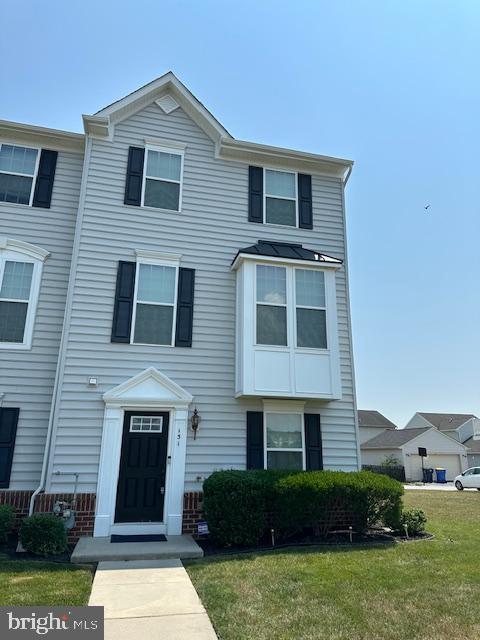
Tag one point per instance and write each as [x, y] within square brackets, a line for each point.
[17, 251]
[301, 306]
[265, 196]
[167, 260]
[24, 175]
[160, 148]
[291, 310]
[269, 411]
[271, 304]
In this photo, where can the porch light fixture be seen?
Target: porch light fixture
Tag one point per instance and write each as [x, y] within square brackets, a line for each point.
[195, 422]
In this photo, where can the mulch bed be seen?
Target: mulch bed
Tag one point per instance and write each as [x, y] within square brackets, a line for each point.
[9, 549]
[335, 539]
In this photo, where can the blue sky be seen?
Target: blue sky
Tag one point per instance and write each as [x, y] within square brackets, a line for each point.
[392, 85]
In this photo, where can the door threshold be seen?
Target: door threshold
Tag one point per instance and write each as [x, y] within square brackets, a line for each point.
[138, 528]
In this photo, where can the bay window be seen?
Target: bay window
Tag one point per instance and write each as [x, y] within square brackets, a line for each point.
[286, 323]
[290, 295]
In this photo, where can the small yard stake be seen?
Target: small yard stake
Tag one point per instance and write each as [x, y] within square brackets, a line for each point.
[272, 533]
[350, 529]
[405, 526]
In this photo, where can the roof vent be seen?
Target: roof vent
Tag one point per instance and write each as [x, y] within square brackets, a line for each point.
[167, 103]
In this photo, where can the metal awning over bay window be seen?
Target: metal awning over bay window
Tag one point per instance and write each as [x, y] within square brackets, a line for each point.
[287, 334]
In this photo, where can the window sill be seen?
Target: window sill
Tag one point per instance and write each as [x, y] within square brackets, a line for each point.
[286, 348]
[18, 204]
[149, 344]
[14, 346]
[145, 208]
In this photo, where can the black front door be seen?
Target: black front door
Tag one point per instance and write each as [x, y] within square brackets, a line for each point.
[141, 478]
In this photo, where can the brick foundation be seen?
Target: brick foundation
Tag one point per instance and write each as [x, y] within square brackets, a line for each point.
[84, 508]
[192, 511]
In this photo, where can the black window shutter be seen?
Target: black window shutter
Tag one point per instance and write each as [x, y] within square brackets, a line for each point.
[133, 183]
[42, 195]
[8, 431]
[254, 440]
[313, 442]
[123, 307]
[186, 287]
[255, 194]
[305, 214]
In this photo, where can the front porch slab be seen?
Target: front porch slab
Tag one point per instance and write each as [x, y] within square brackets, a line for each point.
[100, 549]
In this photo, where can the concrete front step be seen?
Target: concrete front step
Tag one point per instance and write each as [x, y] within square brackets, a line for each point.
[100, 549]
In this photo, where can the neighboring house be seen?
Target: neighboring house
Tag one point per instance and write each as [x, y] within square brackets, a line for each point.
[371, 423]
[473, 445]
[443, 451]
[195, 276]
[460, 426]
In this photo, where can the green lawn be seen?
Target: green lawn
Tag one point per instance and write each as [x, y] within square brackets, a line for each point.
[25, 583]
[413, 591]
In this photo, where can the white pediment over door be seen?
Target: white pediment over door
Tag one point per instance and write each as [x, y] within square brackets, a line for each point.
[148, 388]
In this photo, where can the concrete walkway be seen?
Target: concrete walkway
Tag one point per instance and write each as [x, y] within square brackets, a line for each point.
[149, 599]
[97, 549]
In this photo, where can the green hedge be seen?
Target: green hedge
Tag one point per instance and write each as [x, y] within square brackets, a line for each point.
[7, 519]
[43, 534]
[241, 506]
[318, 500]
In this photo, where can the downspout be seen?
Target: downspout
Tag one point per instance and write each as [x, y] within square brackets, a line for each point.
[349, 316]
[66, 322]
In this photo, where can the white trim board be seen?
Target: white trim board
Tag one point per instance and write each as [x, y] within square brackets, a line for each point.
[147, 391]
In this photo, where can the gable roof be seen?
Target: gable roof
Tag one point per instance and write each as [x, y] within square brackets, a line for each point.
[446, 421]
[170, 93]
[169, 84]
[393, 438]
[473, 445]
[371, 418]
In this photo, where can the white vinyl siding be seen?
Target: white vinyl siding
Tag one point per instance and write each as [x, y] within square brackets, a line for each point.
[214, 226]
[27, 376]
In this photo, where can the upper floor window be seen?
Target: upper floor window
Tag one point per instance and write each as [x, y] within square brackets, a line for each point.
[280, 197]
[163, 179]
[154, 301]
[155, 304]
[20, 273]
[18, 169]
[271, 305]
[155, 175]
[290, 295]
[311, 322]
[277, 196]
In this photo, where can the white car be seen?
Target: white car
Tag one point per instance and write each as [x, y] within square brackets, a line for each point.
[469, 479]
